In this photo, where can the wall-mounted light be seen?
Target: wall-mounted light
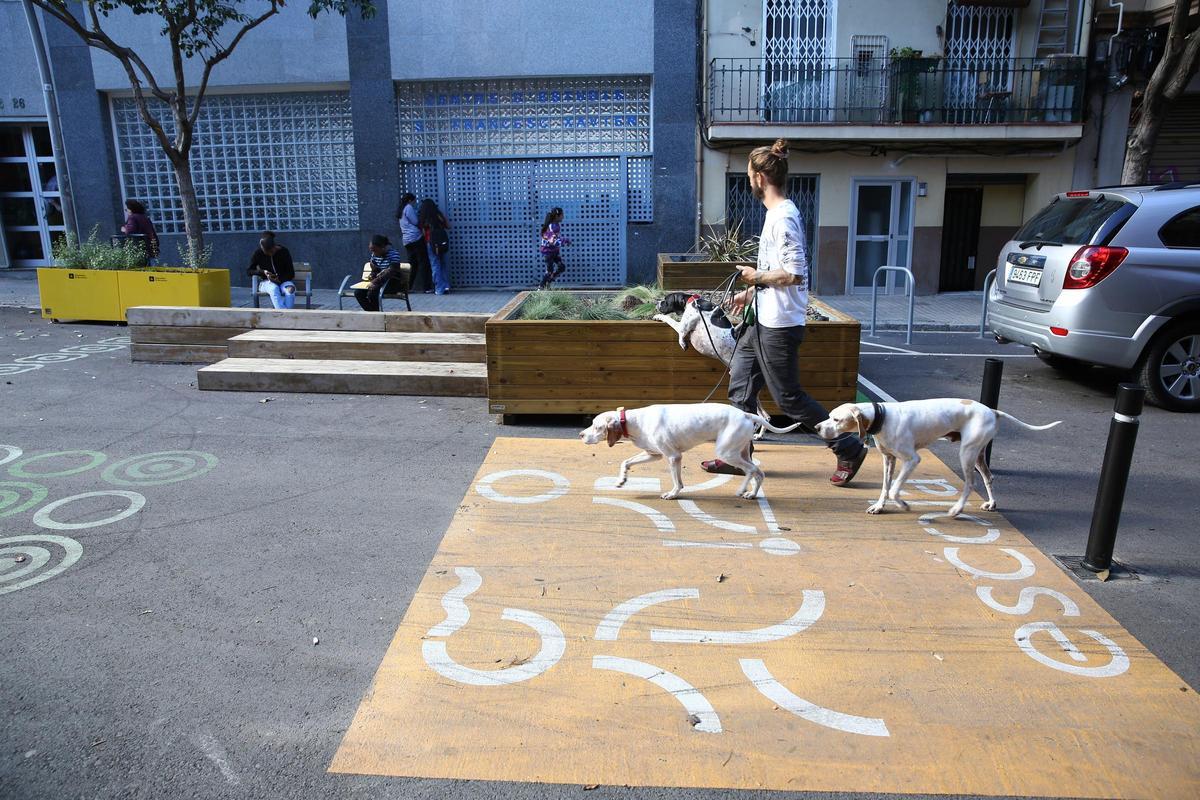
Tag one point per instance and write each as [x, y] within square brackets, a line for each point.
[922, 189]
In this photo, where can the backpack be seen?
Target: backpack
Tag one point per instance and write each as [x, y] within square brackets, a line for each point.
[439, 240]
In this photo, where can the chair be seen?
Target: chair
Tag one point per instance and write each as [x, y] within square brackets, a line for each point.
[303, 273]
[347, 288]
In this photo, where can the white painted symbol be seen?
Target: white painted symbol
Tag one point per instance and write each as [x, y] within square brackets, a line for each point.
[632, 484]
[115, 340]
[561, 485]
[11, 493]
[1025, 570]
[17, 369]
[778, 546]
[709, 545]
[694, 511]
[991, 535]
[810, 611]
[14, 576]
[610, 626]
[938, 487]
[768, 513]
[156, 469]
[712, 483]
[689, 696]
[19, 469]
[553, 643]
[43, 519]
[11, 453]
[1024, 602]
[781, 696]
[50, 358]
[660, 520]
[1024, 638]
[88, 349]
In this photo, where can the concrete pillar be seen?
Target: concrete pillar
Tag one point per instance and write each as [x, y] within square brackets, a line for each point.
[373, 109]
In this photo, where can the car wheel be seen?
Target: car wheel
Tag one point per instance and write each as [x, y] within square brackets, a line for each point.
[1170, 368]
[1062, 363]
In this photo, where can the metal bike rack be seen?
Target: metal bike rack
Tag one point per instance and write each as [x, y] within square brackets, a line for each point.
[912, 297]
[987, 283]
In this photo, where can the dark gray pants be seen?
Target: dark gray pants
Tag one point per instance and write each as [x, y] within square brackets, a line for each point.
[770, 357]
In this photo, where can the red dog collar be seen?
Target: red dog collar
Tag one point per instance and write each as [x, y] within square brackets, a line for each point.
[624, 429]
[692, 299]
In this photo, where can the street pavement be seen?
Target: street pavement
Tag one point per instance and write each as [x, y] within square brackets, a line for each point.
[217, 641]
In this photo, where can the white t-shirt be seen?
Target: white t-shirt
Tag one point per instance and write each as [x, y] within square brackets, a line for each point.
[782, 246]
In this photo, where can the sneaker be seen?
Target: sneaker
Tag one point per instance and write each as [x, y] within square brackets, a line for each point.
[847, 468]
[719, 467]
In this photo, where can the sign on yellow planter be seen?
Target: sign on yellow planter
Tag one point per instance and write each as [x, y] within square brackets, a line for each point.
[106, 294]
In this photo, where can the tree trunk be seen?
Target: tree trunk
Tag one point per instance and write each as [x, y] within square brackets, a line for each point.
[192, 224]
[1140, 147]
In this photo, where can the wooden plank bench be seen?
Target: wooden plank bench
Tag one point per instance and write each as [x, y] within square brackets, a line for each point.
[347, 289]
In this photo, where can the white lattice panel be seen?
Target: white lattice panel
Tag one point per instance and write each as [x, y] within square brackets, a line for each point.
[980, 46]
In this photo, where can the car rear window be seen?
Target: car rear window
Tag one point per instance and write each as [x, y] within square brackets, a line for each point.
[1183, 231]
[1070, 220]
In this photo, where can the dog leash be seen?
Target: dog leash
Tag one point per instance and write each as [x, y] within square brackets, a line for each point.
[728, 285]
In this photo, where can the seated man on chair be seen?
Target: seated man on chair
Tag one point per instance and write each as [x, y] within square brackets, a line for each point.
[383, 272]
[272, 263]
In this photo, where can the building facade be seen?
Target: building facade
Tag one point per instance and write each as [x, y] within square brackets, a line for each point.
[314, 128]
[922, 133]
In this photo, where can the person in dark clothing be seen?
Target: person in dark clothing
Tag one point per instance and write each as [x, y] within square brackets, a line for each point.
[437, 242]
[414, 244]
[385, 273]
[272, 263]
[138, 224]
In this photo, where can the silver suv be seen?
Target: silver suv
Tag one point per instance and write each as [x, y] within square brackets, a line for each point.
[1109, 276]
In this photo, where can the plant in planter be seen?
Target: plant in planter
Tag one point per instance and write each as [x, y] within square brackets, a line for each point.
[910, 84]
[95, 280]
[710, 262]
[635, 302]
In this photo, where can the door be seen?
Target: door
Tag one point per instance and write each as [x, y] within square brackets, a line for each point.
[30, 203]
[960, 238]
[797, 68]
[881, 227]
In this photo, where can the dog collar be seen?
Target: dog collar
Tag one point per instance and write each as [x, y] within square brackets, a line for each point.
[692, 298]
[624, 428]
[878, 415]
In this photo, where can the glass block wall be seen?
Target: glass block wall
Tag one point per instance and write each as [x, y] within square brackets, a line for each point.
[281, 161]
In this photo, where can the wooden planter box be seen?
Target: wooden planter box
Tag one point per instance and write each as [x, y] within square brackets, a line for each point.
[105, 295]
[681, 271]
[585, 367]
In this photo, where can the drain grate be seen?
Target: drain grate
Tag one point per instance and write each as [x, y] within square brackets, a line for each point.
[1074, 565]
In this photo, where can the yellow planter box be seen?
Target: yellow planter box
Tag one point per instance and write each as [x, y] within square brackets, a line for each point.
[165, 287]
[80, 294]
[104, 295]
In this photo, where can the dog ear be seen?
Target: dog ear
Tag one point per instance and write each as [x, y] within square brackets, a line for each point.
[860, 422]
[613, 429]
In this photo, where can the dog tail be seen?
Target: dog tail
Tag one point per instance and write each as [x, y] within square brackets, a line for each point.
[759, 419]
[1026, 425]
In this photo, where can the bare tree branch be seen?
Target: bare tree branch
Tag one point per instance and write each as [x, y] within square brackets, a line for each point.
[224, 52]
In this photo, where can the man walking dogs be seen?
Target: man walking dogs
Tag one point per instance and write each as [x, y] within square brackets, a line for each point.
[767, 353]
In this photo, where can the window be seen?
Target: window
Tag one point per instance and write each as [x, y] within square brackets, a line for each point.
[1183, 231]
[278, 161]
[1070, 220]
[744, 210]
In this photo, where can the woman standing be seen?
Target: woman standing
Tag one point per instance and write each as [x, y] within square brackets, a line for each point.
[138, 224]
[551, 246]
[437, 242]
[414, 244]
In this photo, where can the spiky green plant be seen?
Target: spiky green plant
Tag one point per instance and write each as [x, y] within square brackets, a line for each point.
[638, 302]
[551, 304]
[727, 244]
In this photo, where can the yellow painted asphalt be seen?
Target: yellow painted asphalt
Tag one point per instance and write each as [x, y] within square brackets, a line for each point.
[571, 632]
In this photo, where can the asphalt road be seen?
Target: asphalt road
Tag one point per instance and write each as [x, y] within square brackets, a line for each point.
[176, 658]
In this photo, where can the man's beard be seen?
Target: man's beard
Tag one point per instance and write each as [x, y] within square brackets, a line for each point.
[758, 191]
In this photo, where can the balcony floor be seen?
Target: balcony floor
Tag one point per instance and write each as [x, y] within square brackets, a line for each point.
[911, 132]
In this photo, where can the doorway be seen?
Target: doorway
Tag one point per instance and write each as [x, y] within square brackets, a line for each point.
[960, 238]
[881, 230]
[31, 214]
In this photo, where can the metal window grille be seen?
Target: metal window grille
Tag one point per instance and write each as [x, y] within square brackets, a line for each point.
[797, 42]
[521, 117]
[980, 45]
[867, 88]
[277, 161]
[742, 208]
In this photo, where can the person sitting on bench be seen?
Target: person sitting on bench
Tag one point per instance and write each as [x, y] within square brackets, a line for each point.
[272, 263]
[383, 271]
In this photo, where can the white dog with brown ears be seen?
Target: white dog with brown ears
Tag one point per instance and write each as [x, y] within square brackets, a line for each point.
[901, 429]
[671, 430]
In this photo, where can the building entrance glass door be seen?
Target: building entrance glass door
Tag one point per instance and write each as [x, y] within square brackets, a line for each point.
[31, 215]
[881, 228]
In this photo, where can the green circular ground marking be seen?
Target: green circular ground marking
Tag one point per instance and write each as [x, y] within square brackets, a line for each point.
[18, 470]
[10, 496]
[155, 469]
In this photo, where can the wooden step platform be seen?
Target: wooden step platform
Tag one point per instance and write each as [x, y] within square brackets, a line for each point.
[360, 346]
[331, 376]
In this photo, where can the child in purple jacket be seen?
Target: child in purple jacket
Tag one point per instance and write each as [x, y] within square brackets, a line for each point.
[551, 246]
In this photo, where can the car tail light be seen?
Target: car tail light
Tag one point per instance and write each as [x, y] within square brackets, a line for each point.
[1091, 265]
[1059, 331]
[1078, 194]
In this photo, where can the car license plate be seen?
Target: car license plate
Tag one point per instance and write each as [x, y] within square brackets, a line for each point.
[1029, 277]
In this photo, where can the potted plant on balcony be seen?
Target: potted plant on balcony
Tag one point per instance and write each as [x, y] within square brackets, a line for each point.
[910, 84]
[96, 280]
[714, 258]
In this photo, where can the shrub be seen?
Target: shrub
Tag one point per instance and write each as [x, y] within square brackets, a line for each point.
[69, 252]
[635, 302]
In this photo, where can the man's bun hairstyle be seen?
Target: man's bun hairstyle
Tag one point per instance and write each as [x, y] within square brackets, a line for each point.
[772, 162]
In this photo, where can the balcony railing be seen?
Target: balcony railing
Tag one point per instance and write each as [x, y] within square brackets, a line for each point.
[874, 91]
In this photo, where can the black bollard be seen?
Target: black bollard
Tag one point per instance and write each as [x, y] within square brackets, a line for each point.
[1110, 494]
[993, 371]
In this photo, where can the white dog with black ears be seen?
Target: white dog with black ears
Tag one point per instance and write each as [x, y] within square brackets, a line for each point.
[671, 430]
[901, 429]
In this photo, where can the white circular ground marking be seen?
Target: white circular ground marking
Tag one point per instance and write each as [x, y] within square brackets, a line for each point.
[95, 459]
[42, 517]
[14, 575]
[17, 369]
[11, 451]
[561, 485]
[155, 469]
[50, 358]
[88, 349]
[778, 546]
[19, 496]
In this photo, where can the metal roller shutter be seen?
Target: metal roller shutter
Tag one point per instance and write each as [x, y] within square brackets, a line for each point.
[1177, 152]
